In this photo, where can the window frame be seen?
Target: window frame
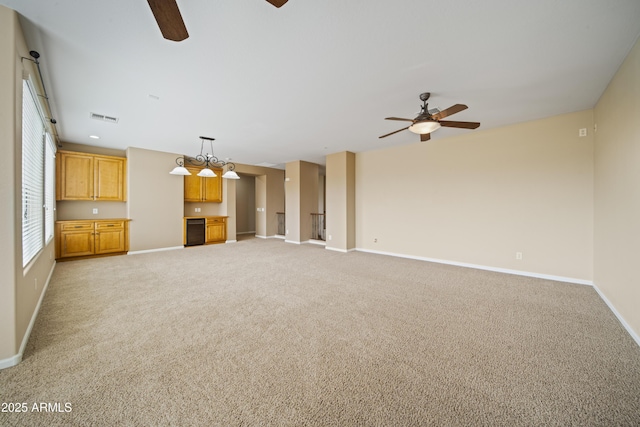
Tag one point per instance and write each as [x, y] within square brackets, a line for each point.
[34, 179]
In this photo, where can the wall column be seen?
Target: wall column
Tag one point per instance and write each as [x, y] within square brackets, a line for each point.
[301, 188]
[341, 205]
[9, 229]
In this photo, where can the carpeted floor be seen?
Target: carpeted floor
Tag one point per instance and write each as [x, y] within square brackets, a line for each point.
[265, 333]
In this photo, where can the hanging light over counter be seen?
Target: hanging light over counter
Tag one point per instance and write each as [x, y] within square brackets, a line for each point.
[207, 160]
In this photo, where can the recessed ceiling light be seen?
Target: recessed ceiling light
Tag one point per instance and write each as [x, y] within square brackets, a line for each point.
[94, 137]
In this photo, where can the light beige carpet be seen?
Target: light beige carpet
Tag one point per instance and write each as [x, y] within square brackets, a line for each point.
[266, 333]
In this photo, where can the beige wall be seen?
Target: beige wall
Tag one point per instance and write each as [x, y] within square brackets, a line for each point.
[480, 197]
[301, 190]
[269, 185]
[20, 289]
[229, 205]
[93, 149]
[340, 201]
[246, 204]
[8, 181]
[617, 191]
[292, 209]
[155, 200]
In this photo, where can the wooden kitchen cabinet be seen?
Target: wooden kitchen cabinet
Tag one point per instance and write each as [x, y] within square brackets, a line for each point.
[74, 238]
[83, 176]
[216, 230]
[82, 238]
[199, 189]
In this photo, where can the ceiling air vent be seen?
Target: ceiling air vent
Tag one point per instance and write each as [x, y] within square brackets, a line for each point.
[103, 118]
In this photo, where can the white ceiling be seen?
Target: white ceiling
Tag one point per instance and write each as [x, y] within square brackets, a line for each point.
[317, 76]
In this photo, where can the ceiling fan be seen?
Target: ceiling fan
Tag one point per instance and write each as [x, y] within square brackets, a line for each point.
[170, 21]
[426, 122]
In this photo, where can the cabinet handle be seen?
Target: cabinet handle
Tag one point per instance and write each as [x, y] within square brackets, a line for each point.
[110, 225]
[77, 226]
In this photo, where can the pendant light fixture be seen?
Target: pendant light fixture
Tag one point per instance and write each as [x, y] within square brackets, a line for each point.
[207, 160]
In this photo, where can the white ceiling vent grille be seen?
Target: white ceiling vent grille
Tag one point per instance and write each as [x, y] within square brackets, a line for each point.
[103, 118]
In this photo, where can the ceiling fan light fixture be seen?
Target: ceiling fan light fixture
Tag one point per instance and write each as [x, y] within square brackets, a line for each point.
[426, 126]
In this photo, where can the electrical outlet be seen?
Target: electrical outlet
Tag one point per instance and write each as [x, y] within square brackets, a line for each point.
[375, 240]
[95, 211]
[582, 132]
[329, 236]
[518, 255]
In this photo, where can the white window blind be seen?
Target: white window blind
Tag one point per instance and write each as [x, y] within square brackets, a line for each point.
[49, 186]
[32, 175]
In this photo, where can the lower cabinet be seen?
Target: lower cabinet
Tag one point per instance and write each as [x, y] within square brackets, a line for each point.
[82, 238]
[215, 229]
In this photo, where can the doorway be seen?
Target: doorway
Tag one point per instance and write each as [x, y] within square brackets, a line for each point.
[245, 206]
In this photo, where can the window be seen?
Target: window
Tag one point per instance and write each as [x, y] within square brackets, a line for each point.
[33, 143]
[49, 186]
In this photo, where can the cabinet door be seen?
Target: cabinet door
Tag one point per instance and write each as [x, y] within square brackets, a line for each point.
[212, 187]
[192, 186]
[216, 230]
[110, 237]
[74, 176]
[76, 243]
[109, 178]
[108, 241]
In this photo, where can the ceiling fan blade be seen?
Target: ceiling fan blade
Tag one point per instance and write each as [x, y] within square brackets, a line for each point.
[425, 137]
[399, 130]
[169, 19]
[449, 111]
[463, 125]
[398, 118]
[277, 3]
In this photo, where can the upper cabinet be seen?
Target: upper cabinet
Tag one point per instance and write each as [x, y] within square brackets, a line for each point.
[199, 189]
[83, 176]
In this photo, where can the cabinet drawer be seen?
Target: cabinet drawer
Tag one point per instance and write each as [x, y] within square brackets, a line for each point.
[70, 226]
[109, 225]
[215, 220]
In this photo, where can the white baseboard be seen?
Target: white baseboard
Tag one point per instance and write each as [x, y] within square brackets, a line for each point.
[316, 242]
[344, 251]
[14, 360]
[485, 267]
[231, 241]
[292, 241]
[329, 248]
[275, 236]
[146, 251]
[615, 312]
[11, 361]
